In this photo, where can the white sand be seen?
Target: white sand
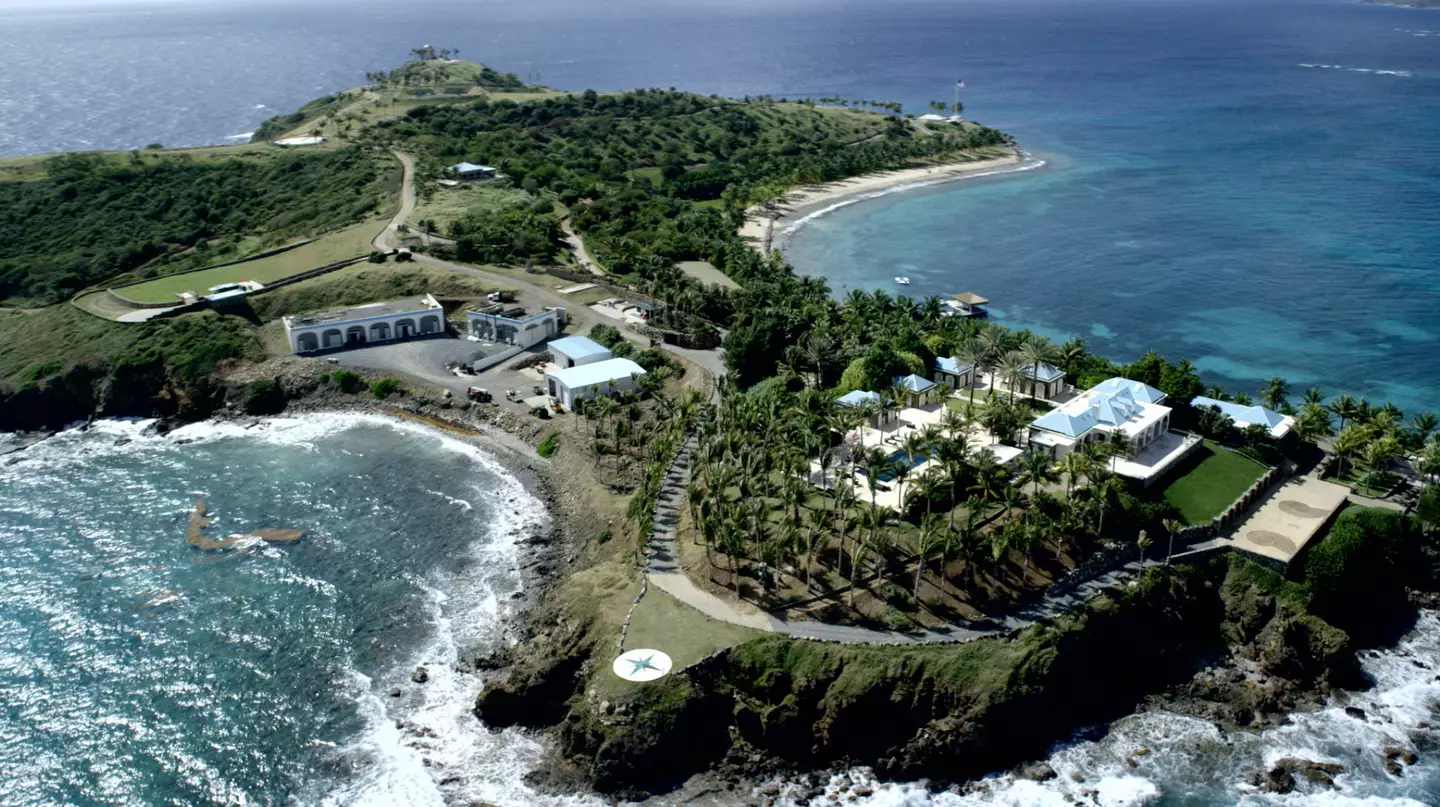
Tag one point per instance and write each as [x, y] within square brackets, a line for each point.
[764, 222]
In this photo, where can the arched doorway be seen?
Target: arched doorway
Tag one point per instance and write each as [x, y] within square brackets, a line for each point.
[333, 338]
[429, 324]
[307, 342]
[404, 328]
[355, 335]
[379, 332]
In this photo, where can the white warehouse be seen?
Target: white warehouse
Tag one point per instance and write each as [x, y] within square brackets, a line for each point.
[573, 351]
[574, 384]
[362, 324]
[512, 326]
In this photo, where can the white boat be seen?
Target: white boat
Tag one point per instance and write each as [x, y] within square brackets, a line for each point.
[904, 281]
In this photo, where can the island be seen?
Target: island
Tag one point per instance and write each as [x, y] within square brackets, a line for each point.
[873, 530]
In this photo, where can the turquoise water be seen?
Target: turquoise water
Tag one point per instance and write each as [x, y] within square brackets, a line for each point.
[1240, 186]
[136, 670]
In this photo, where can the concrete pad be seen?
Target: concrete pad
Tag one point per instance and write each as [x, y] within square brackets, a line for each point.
[1288, 520]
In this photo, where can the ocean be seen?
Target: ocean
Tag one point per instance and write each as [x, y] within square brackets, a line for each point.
[1250, 184]
[137, 670]
[1237, 183]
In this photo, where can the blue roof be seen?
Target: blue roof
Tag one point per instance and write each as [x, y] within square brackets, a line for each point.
[1243, 415]
[579, 347]
[953, 365]
[1062, 422]
[859, 398]
[600, 373]
[913, 383]
[1113, 408]
[1043, 373]
[1138, 390]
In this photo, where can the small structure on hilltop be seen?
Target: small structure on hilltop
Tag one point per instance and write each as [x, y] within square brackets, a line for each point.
[470, 172]
[1276, 424]
[573, 351]
[511, 325]
[291, 142]
[966, 304]
[362, 324]
[588, 381]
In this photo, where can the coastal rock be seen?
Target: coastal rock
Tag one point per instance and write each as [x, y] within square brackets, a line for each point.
[1355, 712]
[1037, 772]
[1404, 755]
[420, 675]
[1277, 780]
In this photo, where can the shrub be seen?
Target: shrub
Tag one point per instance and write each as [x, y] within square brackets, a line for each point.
[1359, 567]
[607, 335]
[348, 382]
[404, 256]
[376, 257]
[384, 388]
[549, 445]
[540, 412]
[264, 397]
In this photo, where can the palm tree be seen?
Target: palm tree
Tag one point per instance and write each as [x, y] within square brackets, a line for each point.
[1349, 441]
[1073, 464]
[874, 462]
[855, 562]
[1344, 408]
[1143, 542]
[948, 541]
[927, 485]
[1172, 527]
[1424, 424]
[1038, 350]
[844, 500]
[995, 339]
[1313, 422]
[1275, 393]
[1011, 368]
[1117, 445]
[930, 529]
[819, 519]
[1105, 490]
[1036, 469]
[1313, 395]
[975, 353]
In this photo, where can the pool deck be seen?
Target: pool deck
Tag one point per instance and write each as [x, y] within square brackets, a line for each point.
[1293, 515]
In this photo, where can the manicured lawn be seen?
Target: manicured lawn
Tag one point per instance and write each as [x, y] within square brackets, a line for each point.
[662, 622]
[705, 272]
[1216, 478]
[336, 246]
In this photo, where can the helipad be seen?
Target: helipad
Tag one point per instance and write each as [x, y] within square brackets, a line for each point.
[641, 665]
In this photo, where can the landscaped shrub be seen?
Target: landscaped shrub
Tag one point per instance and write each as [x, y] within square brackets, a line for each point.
[549, 446]
[1357, 572]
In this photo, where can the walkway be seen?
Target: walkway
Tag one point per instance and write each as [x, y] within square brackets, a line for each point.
[385, 240]
[577, 248]
[663, 571]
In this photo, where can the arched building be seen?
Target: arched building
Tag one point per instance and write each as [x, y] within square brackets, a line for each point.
[362, 324]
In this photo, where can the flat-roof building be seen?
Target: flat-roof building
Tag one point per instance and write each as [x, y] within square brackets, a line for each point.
[573, 351]
[357, 325]
[512, 326]
[608, 377]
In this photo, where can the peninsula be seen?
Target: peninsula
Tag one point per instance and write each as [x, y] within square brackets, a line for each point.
[874, 531]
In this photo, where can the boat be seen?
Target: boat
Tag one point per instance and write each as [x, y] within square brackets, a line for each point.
[904, 281]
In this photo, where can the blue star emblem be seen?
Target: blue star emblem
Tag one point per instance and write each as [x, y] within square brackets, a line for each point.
[641, 664]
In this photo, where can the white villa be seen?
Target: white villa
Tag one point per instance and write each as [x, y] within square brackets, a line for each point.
[1116, 405]
[1042, 380]
[954, 372]
[511, 326]
[470, 172]
[867, 400]
[587, 381]
[361, 324]
[1277, 424]
[918, 390]
[573, 351]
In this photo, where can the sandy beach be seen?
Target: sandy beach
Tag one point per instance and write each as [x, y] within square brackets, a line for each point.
[765, 223]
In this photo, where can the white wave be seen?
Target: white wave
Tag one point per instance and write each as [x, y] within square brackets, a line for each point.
[1144, 755]
[241, 136]
[1029, 164]
[464, 505]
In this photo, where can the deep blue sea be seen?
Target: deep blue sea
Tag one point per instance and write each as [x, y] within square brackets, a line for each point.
[1205, 193]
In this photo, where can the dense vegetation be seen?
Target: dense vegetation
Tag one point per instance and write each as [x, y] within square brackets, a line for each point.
[90, 219]
[632, 166]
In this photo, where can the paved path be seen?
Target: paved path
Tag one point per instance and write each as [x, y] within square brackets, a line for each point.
[663, 571]
[385, 240]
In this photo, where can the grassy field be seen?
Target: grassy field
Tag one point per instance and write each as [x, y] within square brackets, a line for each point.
[336, 246]
[661, 622]
[32, 166]
[705, 272]
[1216, 478]
[366, 283]
[56, 335]
[471, 199]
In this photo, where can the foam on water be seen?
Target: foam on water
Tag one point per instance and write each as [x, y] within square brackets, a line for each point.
[1192, 762]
